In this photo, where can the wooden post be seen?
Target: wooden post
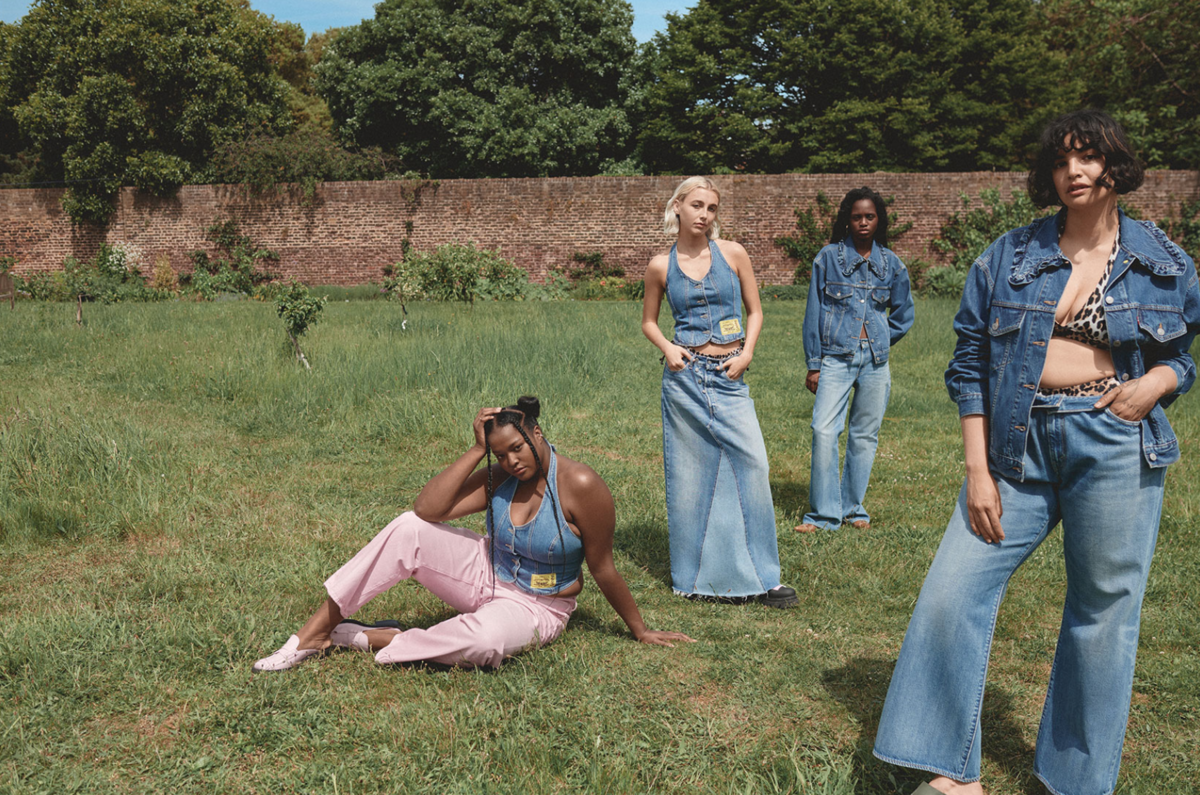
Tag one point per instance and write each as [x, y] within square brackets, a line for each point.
[8, 287]
[79, 310]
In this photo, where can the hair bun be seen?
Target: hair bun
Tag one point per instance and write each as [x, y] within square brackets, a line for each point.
[530, 406]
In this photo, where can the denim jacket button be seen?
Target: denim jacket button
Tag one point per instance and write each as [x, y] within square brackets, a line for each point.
[1124, 376]
[1153, 457]
[1108, 299]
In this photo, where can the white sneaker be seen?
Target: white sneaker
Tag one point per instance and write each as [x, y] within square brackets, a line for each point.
[287, 656]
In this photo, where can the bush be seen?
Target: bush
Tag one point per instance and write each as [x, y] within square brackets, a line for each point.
[783, 292]
[42, 286]
[237, 271]
[1184, 229]
[611, 288]
[968, 232]
[165, 280]
[108, 277]
[299, 309]
[456, 272]
[814, 225]
[592, 266]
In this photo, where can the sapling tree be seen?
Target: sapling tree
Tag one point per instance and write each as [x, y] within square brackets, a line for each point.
[299, 310]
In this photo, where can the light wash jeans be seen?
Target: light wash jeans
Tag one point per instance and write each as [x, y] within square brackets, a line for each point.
[832, 500]
[720, 516]
[1083, 467]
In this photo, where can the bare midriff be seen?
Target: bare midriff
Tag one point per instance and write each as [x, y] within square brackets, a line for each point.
[573, 589]
[716, 348]
[1071, 363]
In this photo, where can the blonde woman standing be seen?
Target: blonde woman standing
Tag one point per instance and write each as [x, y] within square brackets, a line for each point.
[720, 515]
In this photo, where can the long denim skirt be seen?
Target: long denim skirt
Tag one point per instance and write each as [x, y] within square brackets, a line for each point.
[720, 515]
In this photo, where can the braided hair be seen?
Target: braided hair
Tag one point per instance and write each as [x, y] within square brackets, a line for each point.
[524, 417]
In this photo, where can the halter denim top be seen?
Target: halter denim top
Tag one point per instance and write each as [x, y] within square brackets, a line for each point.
[705, 310]
[542, 556]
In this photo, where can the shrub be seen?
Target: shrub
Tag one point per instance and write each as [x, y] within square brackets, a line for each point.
[593, 266]
[968, 232]
[783, 292]
[299, 309]
[1184, 229]
[611, 288]
[457, 272]
[42, 286]
[108, 277]
[164, 279]
[236, 270]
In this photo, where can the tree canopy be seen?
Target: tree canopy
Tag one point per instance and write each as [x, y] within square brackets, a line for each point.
[105, 93]
[858, 85]
[476, 88]
[1137, 59]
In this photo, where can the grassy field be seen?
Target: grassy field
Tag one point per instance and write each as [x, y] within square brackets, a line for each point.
[173, 490]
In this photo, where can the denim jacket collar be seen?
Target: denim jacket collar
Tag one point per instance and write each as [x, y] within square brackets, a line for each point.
[1038, 248]
[849, 258]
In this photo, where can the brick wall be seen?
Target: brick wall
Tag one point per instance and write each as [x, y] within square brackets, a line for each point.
[353, 229]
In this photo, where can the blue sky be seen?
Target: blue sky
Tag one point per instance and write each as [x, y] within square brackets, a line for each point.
[317, 15]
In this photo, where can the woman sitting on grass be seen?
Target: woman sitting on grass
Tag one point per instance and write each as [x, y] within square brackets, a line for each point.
[515, 588]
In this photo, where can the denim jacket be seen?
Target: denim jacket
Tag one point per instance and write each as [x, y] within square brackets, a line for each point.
[1152, 305]
[848, 290]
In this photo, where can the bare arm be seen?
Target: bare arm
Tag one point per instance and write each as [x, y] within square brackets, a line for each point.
[459, 490]
[737, 257]
[983, 497]
[656, 286]
[596, 517]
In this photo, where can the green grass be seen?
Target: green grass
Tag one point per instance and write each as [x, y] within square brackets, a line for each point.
[173, 490]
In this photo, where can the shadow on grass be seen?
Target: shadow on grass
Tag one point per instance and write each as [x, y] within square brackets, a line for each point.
[791, 497]
[646, 544]
[860, 687]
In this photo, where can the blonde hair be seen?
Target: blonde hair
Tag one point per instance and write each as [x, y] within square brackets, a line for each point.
[671, 220]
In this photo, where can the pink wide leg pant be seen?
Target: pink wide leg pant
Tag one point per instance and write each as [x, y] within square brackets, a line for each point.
[453, 564]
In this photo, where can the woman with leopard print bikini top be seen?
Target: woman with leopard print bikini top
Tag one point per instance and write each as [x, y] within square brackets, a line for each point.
[1088, 326]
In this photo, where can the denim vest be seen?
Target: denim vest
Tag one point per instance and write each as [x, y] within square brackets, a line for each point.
[541, 556]
[1006, 319]
[709, 310]
[847, 291]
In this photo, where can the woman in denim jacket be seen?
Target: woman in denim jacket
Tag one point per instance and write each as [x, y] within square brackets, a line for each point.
[1073, 336]
[859, 305]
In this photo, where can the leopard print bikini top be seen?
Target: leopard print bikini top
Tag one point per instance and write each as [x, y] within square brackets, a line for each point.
[1089, 324]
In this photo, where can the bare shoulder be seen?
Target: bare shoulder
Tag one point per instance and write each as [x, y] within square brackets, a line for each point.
[578, 478]
[658, 266]
[734, 253]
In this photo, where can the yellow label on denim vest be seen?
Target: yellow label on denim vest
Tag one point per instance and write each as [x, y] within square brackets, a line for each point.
[543, 580]
[731, 326]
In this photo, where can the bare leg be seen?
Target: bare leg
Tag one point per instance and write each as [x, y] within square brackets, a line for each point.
[952, 787]
[315, 632]
[379, 638]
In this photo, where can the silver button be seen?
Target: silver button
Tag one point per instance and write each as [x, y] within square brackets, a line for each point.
[1153, 457]
[1124, 376]
[1108, 299]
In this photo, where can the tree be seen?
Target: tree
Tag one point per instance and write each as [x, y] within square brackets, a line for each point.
[1136, 59]
[483, 89]
[106, 93]
[859, 85]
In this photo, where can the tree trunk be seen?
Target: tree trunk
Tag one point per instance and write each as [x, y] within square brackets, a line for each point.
[299, 353]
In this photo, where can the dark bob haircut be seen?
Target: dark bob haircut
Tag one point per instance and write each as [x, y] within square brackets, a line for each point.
[1085, 129]
[841, 225]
